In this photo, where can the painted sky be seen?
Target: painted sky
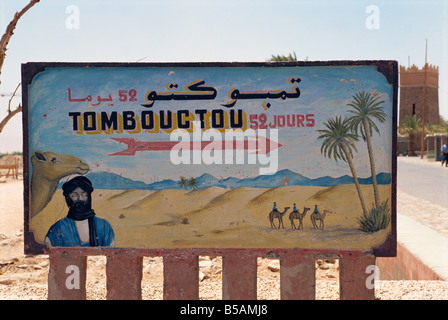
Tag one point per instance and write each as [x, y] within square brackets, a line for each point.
[199, 30]
[325, 92]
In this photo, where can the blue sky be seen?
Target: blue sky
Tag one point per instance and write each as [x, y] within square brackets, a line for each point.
[154, 31]
[51, 129]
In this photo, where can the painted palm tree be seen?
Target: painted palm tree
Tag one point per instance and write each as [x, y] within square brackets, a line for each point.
[183, 182]
[366, 108]
[192, 183]
[339, 143]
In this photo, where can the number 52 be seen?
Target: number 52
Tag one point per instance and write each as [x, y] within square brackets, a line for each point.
[123, 95]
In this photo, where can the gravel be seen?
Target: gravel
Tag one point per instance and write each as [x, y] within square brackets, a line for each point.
[25, 279]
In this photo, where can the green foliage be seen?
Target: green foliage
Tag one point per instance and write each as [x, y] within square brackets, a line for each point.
[187, 183]
[15, 153]
[377, 219]
[183, 182]
[336, 135]
[442, 127]
[444, 123]
[280, 58]
[410, 125]
[365, 108]
[192, 183]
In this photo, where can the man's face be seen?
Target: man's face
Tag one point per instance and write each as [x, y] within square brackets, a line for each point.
[78, 195]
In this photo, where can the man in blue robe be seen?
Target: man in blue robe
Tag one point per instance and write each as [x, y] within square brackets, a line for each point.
[81, 227]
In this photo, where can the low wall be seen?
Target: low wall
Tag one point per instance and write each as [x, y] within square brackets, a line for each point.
[405, 266]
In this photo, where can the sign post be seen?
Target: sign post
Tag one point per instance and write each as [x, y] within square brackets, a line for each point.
[211, 156]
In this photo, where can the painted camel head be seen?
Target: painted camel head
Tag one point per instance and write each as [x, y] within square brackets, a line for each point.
[48, 169]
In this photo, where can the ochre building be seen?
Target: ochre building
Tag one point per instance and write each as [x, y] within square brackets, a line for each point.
[412, 83]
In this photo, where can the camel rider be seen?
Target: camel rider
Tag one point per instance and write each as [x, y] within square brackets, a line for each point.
[315, 209]
[275, 207]
[294, 209]
[81, 227]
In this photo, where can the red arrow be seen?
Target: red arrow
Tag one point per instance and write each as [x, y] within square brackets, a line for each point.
[263, 145]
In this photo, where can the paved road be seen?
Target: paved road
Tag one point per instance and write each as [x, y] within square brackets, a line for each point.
[424, 179]
[423, 226]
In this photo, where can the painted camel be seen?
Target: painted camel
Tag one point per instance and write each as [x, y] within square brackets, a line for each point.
[297, 215]
[318, 218]
[277, 215]
[48, 169]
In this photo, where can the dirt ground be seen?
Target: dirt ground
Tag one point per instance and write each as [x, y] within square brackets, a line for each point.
[25, 278]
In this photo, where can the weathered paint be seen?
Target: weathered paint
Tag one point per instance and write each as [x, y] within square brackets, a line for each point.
[67, 275]
[181, 273]
[58, 101]
[225, 224]
[353, 276]
[124, 276]
[297, 276]
[239, 276]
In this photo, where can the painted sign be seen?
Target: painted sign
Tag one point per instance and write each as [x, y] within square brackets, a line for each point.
[210, 155]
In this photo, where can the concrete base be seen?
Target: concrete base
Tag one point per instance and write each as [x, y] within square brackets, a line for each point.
[405, 266]
[422, 253]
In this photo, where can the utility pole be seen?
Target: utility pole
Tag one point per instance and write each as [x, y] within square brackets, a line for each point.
[424, 103]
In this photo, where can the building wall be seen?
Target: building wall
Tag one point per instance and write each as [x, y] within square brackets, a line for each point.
[411, 102]
[412, 81]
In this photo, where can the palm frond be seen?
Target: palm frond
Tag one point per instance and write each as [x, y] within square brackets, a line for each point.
[366, 107]
[336, 134]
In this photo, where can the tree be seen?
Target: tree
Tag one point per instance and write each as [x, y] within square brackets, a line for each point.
[187, 183]
[411, 125]
[3, 47]
[365, 109]
[339, 143]
[183, 182]
[280, 58]
[192, 183]
[441, 127]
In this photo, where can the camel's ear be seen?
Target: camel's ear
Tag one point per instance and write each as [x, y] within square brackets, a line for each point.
[39, 155]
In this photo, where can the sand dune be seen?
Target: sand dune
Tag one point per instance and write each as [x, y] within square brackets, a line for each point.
[226, 218]
[126, 198]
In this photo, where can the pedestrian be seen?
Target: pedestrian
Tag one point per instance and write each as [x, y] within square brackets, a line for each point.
[444, 150]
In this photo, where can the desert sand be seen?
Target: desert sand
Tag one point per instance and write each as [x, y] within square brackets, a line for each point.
[225, 218]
